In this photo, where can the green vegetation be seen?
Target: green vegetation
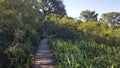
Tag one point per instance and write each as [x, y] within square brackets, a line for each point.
[52, 6]
[83, 44]
[96, 46]
[19, 33]
[76, 44]
[84, 54]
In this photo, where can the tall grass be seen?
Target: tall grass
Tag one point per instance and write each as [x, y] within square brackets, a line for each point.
[84, 54]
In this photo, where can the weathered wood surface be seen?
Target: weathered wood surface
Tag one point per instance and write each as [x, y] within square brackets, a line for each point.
[44, 56]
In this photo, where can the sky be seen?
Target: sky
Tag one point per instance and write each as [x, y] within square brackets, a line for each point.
[74, 7]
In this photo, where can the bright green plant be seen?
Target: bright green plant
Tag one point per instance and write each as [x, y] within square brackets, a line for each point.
[84, 54]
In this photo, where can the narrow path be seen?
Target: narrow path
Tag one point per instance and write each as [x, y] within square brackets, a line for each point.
[44, 57]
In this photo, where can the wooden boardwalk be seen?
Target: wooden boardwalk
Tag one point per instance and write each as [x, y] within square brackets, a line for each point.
[44, 57]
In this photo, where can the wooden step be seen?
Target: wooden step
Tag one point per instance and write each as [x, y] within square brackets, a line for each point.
[43, 51]
[45, 61]
[43, 56]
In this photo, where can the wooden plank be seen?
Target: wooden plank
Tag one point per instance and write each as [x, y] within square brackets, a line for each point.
[44, 57]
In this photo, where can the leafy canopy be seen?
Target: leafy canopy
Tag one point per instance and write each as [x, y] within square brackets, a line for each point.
[88, 15]
[52, 6]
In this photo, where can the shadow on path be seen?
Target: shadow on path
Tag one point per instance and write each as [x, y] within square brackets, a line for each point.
[44, 56]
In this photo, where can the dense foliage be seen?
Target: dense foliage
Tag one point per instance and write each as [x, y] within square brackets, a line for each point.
[95, 45]
[101, 33]
[61, 27]
[88, 15]
[19, 33]
[110, 16]
[52, 6]
[75, 44]
[83, 44]
[84, 54]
